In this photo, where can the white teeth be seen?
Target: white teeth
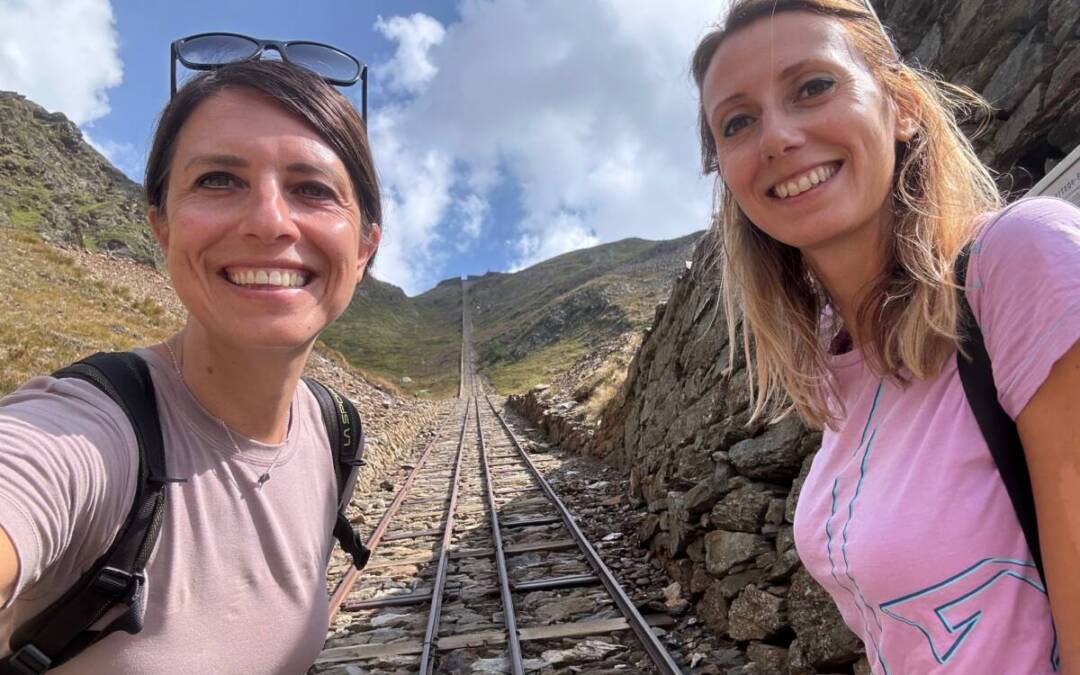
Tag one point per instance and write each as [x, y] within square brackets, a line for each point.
[280, 278]
[797, 186]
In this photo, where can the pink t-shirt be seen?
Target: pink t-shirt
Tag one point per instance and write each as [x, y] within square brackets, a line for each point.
[903, 517]
[236, 583]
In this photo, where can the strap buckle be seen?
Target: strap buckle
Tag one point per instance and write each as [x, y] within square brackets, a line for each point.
[118, 584]
[29, 660]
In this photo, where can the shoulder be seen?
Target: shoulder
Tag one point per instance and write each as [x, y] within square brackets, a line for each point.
[1028, 226]
[64, 406]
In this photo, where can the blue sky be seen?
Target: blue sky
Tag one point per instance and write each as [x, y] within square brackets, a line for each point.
[504, 131]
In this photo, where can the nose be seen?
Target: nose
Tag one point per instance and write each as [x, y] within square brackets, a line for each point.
[269, 216]
[780, 135]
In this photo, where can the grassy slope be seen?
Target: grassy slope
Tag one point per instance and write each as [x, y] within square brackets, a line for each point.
[54, 313]
[530, 325]
[572, 305]
[392, 336]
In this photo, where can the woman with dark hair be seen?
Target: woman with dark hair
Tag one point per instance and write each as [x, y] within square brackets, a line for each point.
[263, 196]
[846, 195]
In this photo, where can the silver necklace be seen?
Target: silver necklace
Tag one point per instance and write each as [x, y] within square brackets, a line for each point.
[266, 474]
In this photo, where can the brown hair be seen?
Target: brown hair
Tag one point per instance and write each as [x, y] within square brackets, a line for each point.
[909, 317]
[297, 90]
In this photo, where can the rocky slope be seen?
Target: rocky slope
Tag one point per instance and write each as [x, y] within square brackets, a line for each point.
[719, 496]
[53, 183]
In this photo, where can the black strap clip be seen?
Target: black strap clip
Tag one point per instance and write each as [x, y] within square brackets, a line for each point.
[119, 584]
[29, 660]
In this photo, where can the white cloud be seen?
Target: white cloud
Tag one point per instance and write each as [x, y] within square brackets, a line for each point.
[567, 233]
[474, 210]
[416, 194]
[63, 54]
[411, 68]
[590, 114]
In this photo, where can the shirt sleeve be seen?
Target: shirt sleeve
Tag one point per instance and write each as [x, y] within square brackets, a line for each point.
[68, 465]
[1024, 289]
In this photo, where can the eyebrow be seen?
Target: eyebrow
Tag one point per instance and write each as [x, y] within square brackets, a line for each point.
[784, 74]
[217, 160]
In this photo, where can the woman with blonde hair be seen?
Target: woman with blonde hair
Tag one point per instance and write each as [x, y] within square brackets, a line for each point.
[848, 198]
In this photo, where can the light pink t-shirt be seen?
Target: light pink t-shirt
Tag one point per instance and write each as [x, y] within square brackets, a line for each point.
[236, 583]
[903, 517]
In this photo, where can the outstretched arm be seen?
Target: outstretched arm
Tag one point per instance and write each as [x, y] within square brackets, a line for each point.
[9, 567]
[1049, 427]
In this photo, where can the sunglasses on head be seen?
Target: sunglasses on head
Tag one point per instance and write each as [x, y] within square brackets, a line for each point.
[207, 51]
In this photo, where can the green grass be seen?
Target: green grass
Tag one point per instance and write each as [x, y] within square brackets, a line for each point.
[540, 367]
[393, 337]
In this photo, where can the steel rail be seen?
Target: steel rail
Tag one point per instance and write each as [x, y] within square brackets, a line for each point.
[517, 664]
[431, 634]
[656, 651]
[345, 586]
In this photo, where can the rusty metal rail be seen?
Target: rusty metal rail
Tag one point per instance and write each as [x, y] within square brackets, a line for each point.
[510, 462]
[656, 651]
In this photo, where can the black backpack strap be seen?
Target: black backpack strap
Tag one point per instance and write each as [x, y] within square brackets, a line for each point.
[346, 434]
[997, 427]
[117, 578]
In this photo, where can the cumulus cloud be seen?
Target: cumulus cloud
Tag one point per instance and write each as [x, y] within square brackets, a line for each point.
[62, 54]
[589, 113]
[416, 185]
[473, 210]
[566, 233]
[411, 68]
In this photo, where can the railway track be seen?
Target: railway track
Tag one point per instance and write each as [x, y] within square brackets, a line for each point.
[477, 566]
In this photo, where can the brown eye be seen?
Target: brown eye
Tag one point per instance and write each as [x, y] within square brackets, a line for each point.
[735, 125]
[316, 190]
[215, 180]
[815, 87]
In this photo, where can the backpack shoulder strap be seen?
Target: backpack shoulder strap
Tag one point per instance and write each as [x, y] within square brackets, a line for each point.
[346, 435]
[116, 579]
[998, 429]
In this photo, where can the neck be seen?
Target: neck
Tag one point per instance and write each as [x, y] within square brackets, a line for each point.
[249, 389]
[848, 268]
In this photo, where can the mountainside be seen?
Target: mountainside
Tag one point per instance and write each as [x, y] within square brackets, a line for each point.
[529, 325]
[533, 324]
[53, 183]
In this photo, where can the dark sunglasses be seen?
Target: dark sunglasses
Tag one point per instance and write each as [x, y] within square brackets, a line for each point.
[207, 51]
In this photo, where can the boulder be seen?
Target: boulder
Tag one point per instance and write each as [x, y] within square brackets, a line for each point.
[724, 550]
[824, 640]
[774, 455]
[742, 510]
[756, 615]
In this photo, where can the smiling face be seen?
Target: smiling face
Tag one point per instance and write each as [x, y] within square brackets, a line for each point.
[261, 230]
[805, 136]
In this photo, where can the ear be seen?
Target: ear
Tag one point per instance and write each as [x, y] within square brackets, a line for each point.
[159, 225]
[907, 116]
[368, 245]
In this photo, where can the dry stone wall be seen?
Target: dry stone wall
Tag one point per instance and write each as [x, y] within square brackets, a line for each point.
[720, 496]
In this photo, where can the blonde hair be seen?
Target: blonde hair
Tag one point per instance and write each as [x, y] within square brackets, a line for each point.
[909, 317]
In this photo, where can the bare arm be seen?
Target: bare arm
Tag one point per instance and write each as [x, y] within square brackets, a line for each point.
[1049, 427]
[9, 567]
